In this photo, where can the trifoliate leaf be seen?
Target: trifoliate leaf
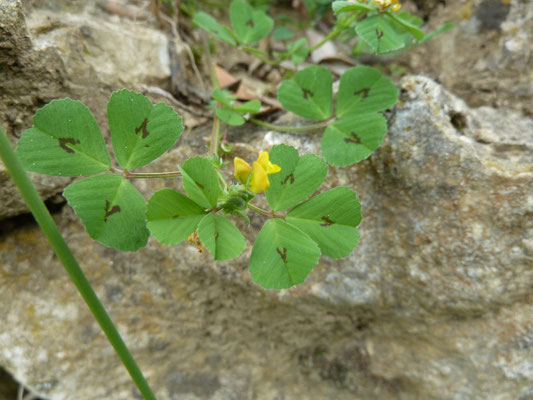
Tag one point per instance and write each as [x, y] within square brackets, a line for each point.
[364, 90]
[221, 237]
[64, 141]
[353, 138]
[379, 34]
[111, 209]
[330, 220]
[299, 177]
[250, 25]
[172, 216]
[140, 131]
[200, 181]
[409, 22]
[308, 94]
[282, 256]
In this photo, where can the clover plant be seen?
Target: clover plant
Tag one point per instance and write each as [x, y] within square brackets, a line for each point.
[301, 224]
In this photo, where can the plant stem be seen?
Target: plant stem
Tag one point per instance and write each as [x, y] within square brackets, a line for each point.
[291, 129]
[270, 214]
[63, 252]
[261, 55]
[215, 135]
[335, 32]
[145, 175]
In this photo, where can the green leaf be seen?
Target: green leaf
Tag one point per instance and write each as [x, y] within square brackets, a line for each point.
[250, 25]
[299, 177]
[282, 256]
[65, 141]
[343, 6]
[140, 131]
[111, 209]
[330, 220]
[363, 90]
[352, 139]
[408, 23]
[200, 181]
[208, 23]
[252, 107]
[282, 33]
[224, 97]
[230, 117]
[172, 216]
[221, 237]
[298, 50]
[379, 34]
[308, 94]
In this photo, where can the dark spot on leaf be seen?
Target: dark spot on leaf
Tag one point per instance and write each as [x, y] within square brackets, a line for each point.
[291, 177]
[216, 236]
[379, 34]
[199, 185]
[364, 92]
[146, 145]
[109, 212]
[63, 144]
[143, 129]
[307, 93]
[282, 255]
[327, 221]
[175, 216]
[355, 139]
[250, 23]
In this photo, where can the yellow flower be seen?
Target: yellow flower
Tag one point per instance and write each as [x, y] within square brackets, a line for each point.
[242, 169]
[265, 162]
[263, 167]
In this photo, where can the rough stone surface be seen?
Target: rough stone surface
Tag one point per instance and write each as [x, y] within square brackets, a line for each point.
[487, 59]
[435, 302]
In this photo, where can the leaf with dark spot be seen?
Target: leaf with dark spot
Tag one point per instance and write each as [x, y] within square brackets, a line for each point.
[282, 255]
[364, 91]
[65, 140]
[354, 138]
[143, 128]
[63, 144]
[291, 177]
[330, 219]
[109, 212]
[327, 221]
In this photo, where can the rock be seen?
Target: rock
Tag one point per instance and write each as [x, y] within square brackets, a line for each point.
[435, 302]
[486, 59]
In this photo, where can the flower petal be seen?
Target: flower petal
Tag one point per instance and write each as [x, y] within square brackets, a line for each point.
[259, 182]
[242, 169]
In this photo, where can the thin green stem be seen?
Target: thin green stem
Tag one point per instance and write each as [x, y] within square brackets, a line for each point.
[260, 54]
[335, 32]
[221, 179]
[215, 135]
[63, 252]
[291, 129]
[270, 214]
[145, 175]
[259, 210]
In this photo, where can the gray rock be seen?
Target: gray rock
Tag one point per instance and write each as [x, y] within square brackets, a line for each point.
[435, 302]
